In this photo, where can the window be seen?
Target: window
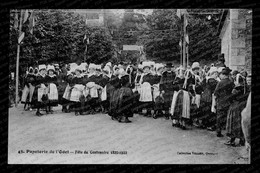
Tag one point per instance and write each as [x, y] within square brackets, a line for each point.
[92, 16]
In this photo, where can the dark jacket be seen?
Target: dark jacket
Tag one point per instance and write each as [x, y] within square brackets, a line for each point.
[209, 87]
[223, 93]
[167, 80]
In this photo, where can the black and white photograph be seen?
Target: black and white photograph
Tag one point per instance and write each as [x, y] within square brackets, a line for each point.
[130, 86]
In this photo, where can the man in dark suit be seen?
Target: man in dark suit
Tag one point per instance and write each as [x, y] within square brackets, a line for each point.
[223, 92]
[166, 87]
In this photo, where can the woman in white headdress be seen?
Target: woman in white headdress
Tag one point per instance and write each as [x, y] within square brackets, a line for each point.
[183, 101]
[52, 82]
[239, 100]
[176, 107]
[77, 91]
[114, 96]
[209, 85]
[40, 97]
[146, 93]
[157, 95]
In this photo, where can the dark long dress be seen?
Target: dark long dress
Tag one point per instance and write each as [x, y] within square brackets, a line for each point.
[209, 85]
[38, 81]
[104, 83]
[126, 98]
[177, 86]
[114, 96]
[239, 100]
[95, 102]
[158, 101]
[166, 85]
[62, 84]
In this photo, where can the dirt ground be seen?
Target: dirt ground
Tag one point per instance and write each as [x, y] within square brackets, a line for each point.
[91, 139]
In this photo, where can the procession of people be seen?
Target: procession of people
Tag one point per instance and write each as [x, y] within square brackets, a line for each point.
[211, 97]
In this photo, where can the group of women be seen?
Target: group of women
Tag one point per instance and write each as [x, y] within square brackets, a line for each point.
[209, 97]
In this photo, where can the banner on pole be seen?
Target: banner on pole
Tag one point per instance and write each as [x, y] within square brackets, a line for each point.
[16, 20]
[187, 38]
[132, 47]
[25, 16]
[20, 37]
[31, 22]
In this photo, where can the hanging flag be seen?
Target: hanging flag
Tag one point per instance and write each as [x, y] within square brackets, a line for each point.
[21, 36]
[180, 43]
[84, 38]
[86, 49]
[16, 20]
[25, 16]
[31, 22]
[185, 22]
[180, 12]
[187, 38]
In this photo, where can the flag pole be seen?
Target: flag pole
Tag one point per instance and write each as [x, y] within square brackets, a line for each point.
[184, 41]
[187, 55]
[17, 62]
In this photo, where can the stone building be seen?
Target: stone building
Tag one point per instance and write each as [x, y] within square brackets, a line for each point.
[235, 32]
[93, 17]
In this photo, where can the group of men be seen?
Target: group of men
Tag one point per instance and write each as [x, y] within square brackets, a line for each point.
[210, 97]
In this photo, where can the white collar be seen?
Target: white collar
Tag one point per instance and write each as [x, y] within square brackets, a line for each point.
[52, 75]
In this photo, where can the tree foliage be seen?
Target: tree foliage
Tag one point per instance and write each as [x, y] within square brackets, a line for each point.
[58, 37]
[203, 42]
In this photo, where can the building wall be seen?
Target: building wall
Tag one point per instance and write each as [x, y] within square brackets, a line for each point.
[93, 17]
[226, 40]
[236, 39]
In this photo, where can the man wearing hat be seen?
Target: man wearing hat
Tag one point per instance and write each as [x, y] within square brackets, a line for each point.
[166, 88]
[222, 93]
[221, 60]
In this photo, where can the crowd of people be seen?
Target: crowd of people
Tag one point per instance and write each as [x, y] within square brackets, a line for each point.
[211, 97]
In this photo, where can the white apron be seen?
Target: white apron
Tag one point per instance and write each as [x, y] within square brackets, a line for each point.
[31, 88]
[66, 94]
[104, 94]
[186, 105]
[156, 91]
[174, 99]
[196, 100]
[213, 108]
[42, 90]
[146, 93]
[25, 94]
[93, 89]
[53, 92]
[76, 92]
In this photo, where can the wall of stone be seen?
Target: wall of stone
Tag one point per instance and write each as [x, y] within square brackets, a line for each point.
[225, 37]
[248, 57]
[236, 39]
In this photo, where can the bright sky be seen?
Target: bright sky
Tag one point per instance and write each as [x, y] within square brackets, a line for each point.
[143, 11]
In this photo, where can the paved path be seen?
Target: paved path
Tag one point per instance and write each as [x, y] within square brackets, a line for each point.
[146, 141]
